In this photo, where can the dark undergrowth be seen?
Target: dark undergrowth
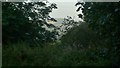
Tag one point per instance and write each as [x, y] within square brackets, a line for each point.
[22, 54]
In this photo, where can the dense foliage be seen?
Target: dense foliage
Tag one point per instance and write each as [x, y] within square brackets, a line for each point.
[27, 21]
[80, 37]
[21, 54]
[103, 18]
[92, 42]
[68, 23]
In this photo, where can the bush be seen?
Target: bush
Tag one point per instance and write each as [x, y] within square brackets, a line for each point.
[53, 54]
[80, 37]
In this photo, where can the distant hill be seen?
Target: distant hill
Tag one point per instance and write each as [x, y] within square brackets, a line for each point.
[59, 21]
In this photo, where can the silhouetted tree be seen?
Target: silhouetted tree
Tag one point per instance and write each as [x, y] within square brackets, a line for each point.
[24, 21]
[103, 18]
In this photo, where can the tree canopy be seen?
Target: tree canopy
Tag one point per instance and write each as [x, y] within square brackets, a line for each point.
[26, 21]
[103, 18]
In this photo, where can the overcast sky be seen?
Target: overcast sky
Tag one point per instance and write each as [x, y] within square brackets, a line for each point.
[65, 9]
[62, 0]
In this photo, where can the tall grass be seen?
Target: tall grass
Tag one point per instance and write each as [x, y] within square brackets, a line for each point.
[22, 54]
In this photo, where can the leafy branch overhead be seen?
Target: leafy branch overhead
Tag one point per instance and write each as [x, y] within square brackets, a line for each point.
[104, 19]
[25, 21]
